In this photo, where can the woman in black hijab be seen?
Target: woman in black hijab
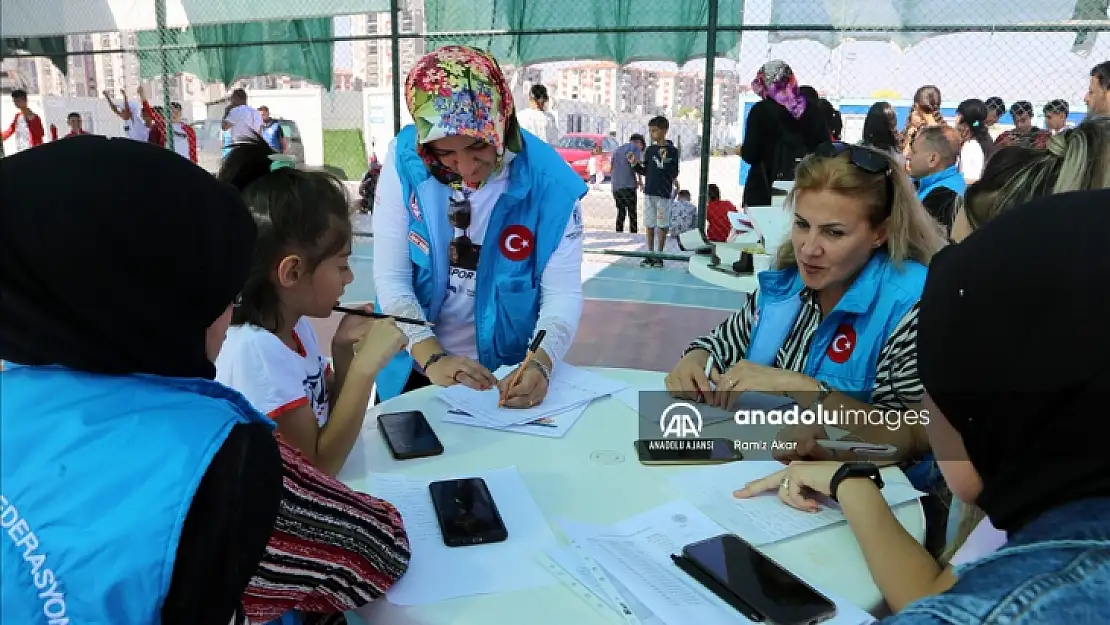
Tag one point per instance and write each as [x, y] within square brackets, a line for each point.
[135, 488]
[1018, 395]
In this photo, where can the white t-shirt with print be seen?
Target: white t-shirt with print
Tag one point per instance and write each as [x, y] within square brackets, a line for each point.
[273, 377]
[244, 120]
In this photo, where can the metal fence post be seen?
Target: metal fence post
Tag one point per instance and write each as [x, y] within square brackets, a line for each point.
[164, 59]
[707, 109]
[395, 46]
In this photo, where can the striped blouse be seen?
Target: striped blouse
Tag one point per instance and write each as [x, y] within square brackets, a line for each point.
[897, 383]
[332, 549]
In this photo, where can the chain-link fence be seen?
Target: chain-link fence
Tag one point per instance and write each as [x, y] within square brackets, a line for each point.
[332, 71]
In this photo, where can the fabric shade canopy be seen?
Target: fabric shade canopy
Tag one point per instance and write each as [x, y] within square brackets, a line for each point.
[53, 48]
[485, 15]
[227, 63]
[37, 18]
[845, 19]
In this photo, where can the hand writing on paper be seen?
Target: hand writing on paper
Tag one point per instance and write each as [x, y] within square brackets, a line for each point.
[748, 376]
[795, 484]
[687, 380]
[529, 392]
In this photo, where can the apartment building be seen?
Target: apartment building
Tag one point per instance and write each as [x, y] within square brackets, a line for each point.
[372, 60]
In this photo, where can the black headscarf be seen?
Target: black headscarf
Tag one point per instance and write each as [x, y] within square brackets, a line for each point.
[115, 257]
[1013, 348]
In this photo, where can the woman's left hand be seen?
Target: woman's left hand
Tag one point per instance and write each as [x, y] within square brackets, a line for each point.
[748, 376]
[528, 392]
[795, 484]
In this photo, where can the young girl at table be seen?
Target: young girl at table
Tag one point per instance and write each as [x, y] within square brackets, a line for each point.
[300, 270]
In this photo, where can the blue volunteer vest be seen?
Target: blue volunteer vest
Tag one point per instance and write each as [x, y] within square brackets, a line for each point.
[949, 178]
[99, 472]
[269, 133]
[844, 352]
[539, 200]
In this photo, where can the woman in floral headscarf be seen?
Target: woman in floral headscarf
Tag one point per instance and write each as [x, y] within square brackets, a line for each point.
[780, 130]
[477, 228]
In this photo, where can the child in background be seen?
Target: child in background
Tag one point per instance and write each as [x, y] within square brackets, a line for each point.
[717, 225]
[300, 270]
[593, 167]
[660, 171]
[684, 215]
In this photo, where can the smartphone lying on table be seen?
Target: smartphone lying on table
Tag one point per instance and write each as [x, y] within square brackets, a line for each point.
[466, 512]
[662, 452]
[409, 435]
[752, 583]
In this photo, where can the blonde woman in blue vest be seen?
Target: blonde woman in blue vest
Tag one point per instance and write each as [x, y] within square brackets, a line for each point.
[836, 323]
[477, 228]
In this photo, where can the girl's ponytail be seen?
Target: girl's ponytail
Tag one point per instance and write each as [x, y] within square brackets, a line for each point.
[248, 161]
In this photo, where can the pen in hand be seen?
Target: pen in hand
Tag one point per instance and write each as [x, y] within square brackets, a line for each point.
[520, 370]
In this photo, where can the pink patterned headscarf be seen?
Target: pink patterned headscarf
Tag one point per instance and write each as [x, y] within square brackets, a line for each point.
[776, 81]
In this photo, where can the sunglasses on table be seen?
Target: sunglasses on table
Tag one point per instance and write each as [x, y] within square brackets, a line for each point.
[866, 160]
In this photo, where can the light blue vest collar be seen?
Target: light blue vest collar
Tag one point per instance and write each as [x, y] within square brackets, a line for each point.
[949, 178]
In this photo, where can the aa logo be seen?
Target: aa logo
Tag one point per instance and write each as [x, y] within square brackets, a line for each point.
[680, 420]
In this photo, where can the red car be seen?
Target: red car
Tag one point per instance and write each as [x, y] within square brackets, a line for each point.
[576, 147]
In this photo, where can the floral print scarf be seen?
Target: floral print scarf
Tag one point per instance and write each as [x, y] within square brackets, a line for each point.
[776, 81]
[458, 90]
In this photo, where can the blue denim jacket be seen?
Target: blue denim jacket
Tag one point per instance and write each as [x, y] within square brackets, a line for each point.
[1054, 570]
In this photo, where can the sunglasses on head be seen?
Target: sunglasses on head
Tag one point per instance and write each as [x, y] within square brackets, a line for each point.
[865, 159]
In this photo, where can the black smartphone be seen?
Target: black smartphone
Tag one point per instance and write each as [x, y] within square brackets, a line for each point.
[466, 513]
[675, 451]
[409, 435]
[741, 571]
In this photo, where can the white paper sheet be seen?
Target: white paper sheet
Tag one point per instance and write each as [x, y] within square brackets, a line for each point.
[637, 552]
[566, 558]
[570, 387]
[763, 519]
[438, 572]
[551, 426]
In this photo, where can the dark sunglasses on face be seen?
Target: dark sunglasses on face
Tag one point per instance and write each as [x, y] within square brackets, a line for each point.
[866, 160]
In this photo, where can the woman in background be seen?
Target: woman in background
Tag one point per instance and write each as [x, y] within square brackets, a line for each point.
[971, 122]
[783, 125]
[925, 112]
[880, 130]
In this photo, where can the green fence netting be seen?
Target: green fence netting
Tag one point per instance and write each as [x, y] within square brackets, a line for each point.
[228, 52]
[623, 47]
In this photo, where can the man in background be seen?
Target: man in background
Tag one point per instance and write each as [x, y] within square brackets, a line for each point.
[240, 119]
[536, 119]
[26, 126]
[932, 165]
[272, 132]
[136, 118]
[625, 181]
[1024, 133]
[1056, 116]
[76, 126]
[1098, 92]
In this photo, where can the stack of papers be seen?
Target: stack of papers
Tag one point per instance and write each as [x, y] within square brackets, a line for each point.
[438, 572]
[569, 394]
[636, 555]
[763, 519]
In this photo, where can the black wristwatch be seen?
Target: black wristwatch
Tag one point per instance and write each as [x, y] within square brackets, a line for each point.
[850, 470]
